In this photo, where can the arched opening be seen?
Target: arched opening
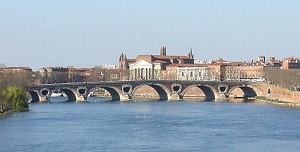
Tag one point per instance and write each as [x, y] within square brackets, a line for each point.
[236, 92]
[176, 88]
[97, 92]
[222, 89]
[103, 93]
[200, 92]
[194, 93]
[243, 93]
[45, 92]
[58, 95]
[71, 96]
[126, 89]
[249, 92]
[114, 93]
[145, 92]
[82, 91]
[150, 92]
[34, 96]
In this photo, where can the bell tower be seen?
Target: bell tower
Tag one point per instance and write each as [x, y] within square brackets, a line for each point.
[123, 64]
[163, 50]
[190, 55]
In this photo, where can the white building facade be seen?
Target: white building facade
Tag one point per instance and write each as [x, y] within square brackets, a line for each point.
[144, 70]
[188, 72]
[193, 73]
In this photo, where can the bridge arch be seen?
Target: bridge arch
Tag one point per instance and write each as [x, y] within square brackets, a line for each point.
[71, 93]
[209, 91]
[93, 89]
[35, 97]
[248, 91]
[163, 91]
[116, 94]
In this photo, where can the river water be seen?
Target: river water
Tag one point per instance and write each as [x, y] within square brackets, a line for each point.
[102, 125]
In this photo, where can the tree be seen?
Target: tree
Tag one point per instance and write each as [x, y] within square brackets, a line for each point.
[14, 97]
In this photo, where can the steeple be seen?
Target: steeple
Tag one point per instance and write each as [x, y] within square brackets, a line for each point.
[191, 56]
[163, 50]
[121, 57]
[122, 61]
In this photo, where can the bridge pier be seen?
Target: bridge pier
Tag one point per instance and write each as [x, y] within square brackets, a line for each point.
[175, 97]
[124, 97]
[81, 98]
[43, 99]
[41, 95]
[222, 96]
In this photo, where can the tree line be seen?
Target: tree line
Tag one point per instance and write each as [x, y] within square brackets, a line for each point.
[13, 91]
[289, 79]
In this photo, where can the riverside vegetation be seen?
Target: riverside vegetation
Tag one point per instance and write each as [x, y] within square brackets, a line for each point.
[12, 92]
[13, 98]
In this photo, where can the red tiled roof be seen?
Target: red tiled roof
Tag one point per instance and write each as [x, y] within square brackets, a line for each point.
[130, 60]
[159, 61]
[18, 68]
[79, 69]
[120, 70]
[185, 65]
[170, 57]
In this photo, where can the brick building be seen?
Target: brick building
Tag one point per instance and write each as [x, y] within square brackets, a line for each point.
[187, 72]
[291, 63]
[152, 66]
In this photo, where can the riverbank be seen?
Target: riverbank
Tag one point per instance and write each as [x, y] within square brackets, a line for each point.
[6, 113]
[276, 101]
[9, 112]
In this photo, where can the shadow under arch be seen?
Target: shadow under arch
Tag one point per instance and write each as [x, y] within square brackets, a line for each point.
[209, 91]
[247, 90]
[163, 92]
[70, 93]
[34, 96]
[114, 92]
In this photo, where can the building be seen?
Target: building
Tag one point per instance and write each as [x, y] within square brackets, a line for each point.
[21, 76]
[188, 72]
[17, 70]
[262, 59]
[54, 75]
[145, 67]
[109, 66]
[291, 63]
[103, 74]
[275, 63]
[124, 62]
[77, 74]
[217, 68]
[113, 74]
[245, 73]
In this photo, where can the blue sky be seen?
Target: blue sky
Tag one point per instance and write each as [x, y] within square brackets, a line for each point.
[85, 33]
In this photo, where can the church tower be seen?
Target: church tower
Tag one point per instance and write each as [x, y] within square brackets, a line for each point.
[123, 62]
[163, 50]
[190, 55]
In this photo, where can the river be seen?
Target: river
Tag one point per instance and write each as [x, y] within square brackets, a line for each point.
[102, 125]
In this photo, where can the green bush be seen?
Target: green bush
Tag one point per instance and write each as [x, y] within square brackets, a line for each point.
[15, 98]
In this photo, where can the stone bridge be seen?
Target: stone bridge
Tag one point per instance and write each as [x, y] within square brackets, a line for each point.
[124, 90]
